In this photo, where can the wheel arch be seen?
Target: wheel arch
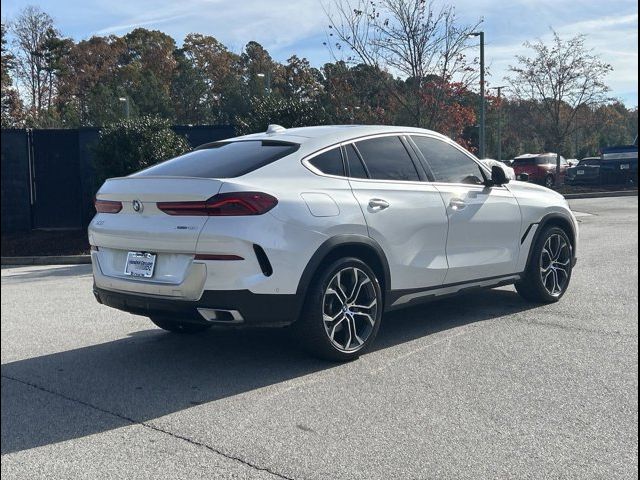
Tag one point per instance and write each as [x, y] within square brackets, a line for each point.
[339, 246]
[558, 220]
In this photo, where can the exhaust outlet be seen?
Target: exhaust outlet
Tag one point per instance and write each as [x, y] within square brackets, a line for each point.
[217, 315]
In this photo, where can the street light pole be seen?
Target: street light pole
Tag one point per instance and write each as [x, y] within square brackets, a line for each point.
[482, 100]
[126, 105]
[266, 87]
[499, 89]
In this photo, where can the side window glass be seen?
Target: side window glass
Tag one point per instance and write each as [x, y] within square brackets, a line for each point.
[386, 158]
[448, 164]
[356, 169]
[329, 162]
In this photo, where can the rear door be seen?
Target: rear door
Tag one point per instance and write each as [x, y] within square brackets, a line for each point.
[404, 214]
[484, 222]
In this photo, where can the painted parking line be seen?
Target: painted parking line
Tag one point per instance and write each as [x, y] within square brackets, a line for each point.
[582, 214]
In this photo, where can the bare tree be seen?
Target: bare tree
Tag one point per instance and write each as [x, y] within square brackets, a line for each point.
[409, 38]
[560, 80]
[11, 107]
[31, 30]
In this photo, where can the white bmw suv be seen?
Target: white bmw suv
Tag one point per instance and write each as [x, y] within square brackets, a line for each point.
[322, 228]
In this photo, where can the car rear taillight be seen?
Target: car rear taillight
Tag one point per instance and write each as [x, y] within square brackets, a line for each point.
[223, 205]
[107, 206]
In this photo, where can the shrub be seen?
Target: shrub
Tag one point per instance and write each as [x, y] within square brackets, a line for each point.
[131, 145]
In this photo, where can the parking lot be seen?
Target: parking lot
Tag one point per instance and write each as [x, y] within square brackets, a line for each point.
[479, 386]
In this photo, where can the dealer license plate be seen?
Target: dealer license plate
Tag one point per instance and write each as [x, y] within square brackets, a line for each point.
[580, 172]
[624, 166]
[140, 264]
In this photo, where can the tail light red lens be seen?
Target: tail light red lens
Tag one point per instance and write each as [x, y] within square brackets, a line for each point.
[223, 205]
[107, 206]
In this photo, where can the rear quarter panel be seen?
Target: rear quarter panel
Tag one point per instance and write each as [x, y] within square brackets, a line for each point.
[311, 208]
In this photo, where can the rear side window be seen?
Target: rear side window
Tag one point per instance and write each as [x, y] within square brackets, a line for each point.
[222, 160]
[356, 169]
[590, 162]
[543, 160]
[329, 162]
[525, 161]
[447, 163]
[387, 159]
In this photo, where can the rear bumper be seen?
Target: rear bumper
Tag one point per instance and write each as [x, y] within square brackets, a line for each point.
[190, 283]
[255, 309]
[577, 180]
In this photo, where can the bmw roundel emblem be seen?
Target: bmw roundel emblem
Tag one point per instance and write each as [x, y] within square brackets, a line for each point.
[137, 205]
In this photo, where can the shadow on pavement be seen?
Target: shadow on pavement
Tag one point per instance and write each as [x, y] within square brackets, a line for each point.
[152, 373]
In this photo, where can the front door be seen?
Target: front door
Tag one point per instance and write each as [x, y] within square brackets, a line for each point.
[484, 222]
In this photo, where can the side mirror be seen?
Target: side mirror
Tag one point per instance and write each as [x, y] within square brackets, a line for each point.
[523, 177]
[498, 176]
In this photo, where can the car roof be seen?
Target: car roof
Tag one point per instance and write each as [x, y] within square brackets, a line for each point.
[316, 137]
[534, 155]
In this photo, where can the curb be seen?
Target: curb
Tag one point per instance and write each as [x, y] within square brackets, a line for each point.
[47, 260]
[620, 193]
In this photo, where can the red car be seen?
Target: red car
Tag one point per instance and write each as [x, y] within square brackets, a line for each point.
[540, 168]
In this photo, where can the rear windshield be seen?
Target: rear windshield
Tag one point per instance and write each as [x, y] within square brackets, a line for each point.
[222, 160]
[590, 161]
[531, 161]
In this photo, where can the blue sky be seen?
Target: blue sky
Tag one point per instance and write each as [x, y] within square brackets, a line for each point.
[298, 26]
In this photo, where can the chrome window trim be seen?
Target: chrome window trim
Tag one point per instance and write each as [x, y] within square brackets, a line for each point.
[305, 160]
[472, 157]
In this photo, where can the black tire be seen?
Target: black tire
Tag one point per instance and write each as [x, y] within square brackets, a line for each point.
[310, 327]
[549, 181]
[532, 287]
[176, 326]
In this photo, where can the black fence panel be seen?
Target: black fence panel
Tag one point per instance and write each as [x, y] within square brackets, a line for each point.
[56, 179]
[87, 138]
[48, 176]
[16, 201]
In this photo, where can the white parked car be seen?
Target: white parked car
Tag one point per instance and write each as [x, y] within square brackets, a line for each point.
[324, 228]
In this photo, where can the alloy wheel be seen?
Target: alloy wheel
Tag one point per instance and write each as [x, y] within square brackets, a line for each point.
[555, 264]
[350, 309]
[549, 182]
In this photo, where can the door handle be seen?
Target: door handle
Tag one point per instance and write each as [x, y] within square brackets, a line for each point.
[457, 204]
[377, 204]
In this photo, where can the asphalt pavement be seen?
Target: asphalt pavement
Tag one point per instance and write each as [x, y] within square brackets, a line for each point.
[480, 386]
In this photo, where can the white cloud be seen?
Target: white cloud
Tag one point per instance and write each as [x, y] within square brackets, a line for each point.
[614, 38]
[273, 24]
[286, 27]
